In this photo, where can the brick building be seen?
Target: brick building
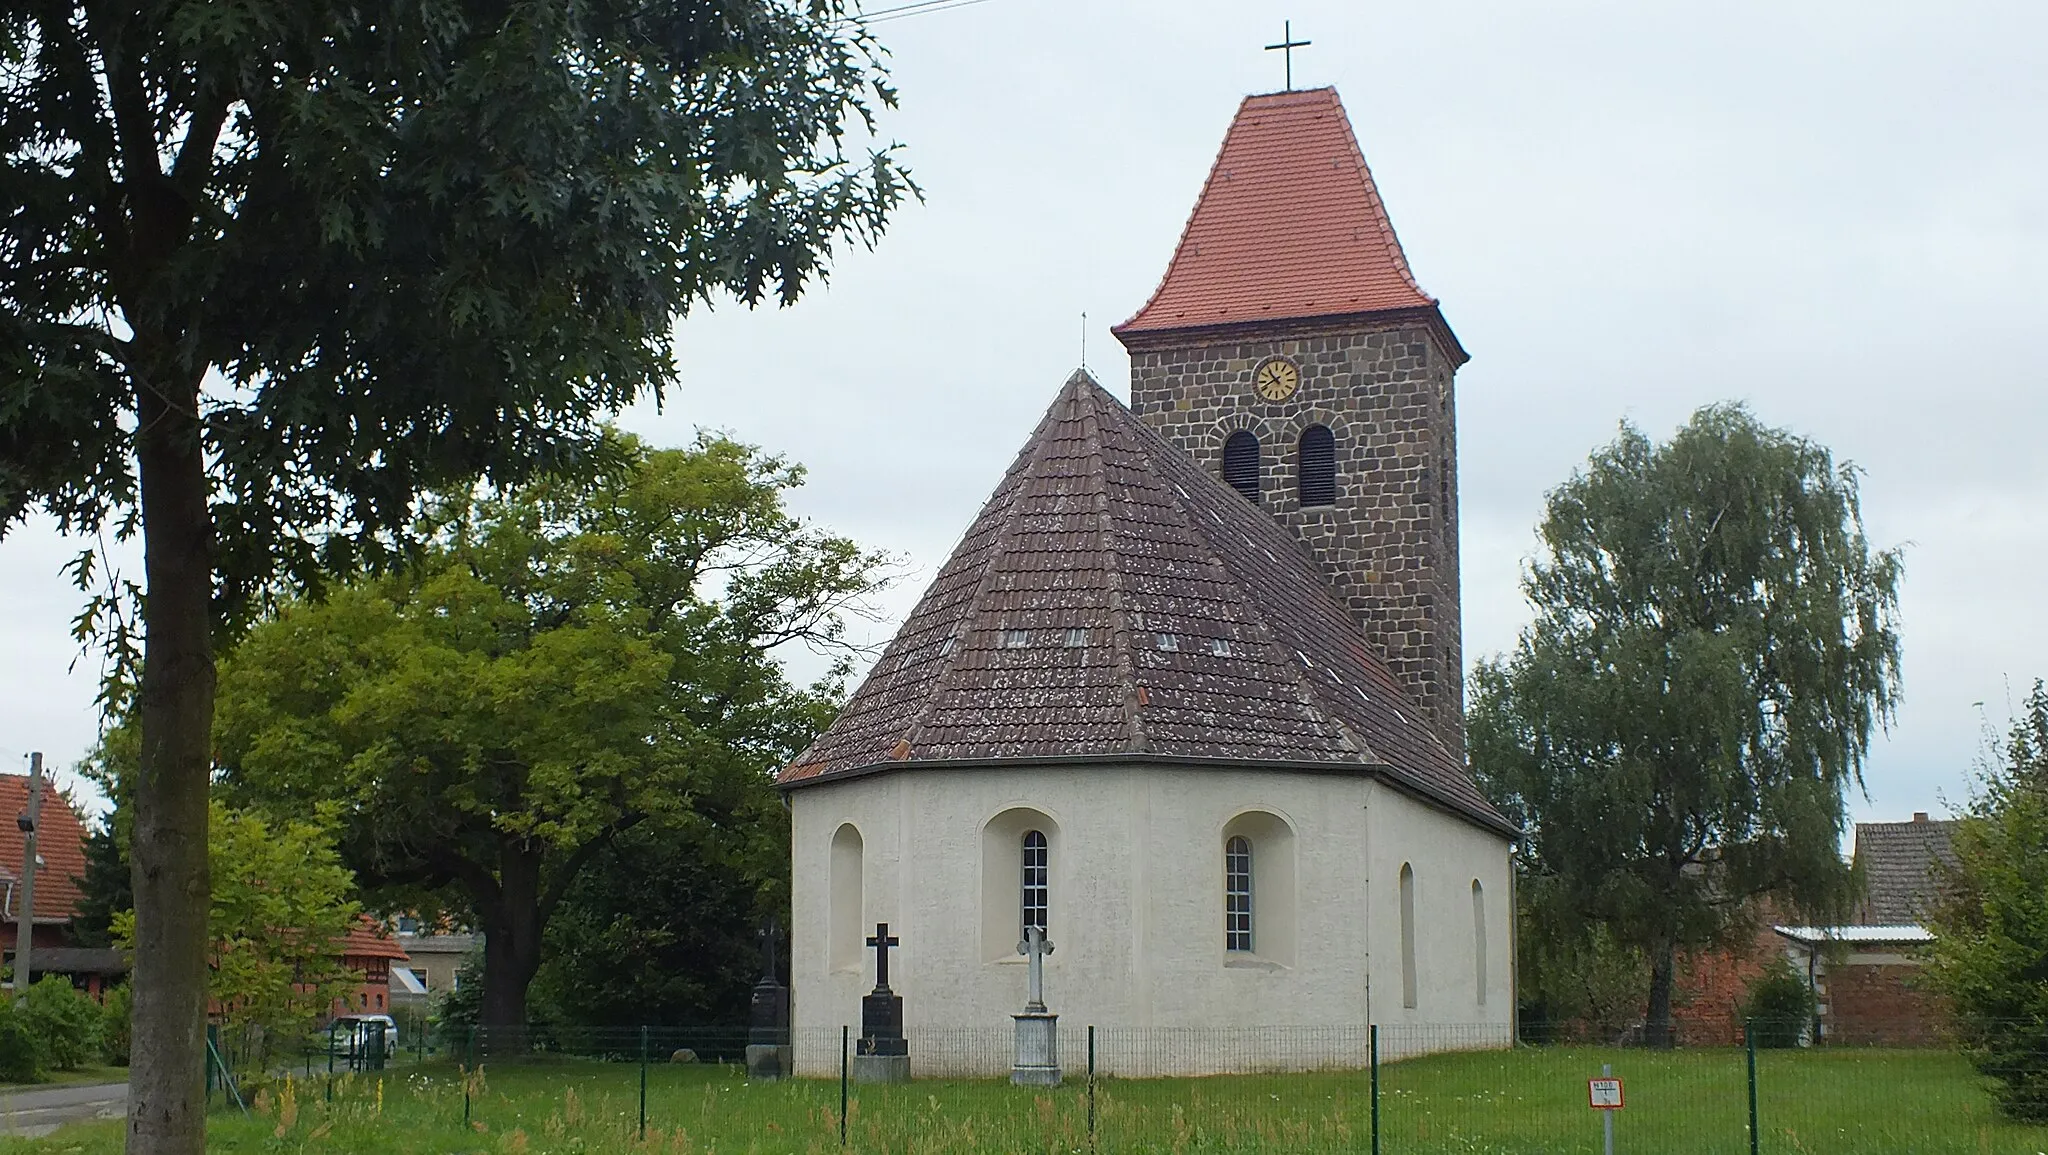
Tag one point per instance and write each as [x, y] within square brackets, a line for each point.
[1866, 975]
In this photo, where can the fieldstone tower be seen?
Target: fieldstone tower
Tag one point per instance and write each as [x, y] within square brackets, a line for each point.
[1289, 350]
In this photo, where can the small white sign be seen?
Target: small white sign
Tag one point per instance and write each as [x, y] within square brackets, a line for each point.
[1604, 1094]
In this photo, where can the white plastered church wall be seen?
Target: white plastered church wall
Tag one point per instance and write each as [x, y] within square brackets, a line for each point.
[1136, 904]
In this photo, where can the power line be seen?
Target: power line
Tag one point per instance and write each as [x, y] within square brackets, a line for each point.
[921, 8]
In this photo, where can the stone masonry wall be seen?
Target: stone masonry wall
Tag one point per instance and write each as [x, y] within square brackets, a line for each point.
[1390, 543]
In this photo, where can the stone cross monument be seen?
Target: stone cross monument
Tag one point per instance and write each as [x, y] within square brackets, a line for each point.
[1037, 1062]
[881, 1055]
[768, 1051]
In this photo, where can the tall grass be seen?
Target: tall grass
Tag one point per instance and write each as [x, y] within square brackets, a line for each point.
[1524, 1102]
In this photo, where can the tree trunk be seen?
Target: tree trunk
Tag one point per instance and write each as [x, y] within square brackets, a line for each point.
[1657, 1022]
[511, 951]
[168, 857]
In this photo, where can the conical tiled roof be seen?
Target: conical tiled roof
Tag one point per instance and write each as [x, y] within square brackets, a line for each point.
[1289, 226]
[1113, 601]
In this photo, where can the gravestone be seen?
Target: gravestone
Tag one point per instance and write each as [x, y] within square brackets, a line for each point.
[881, 1054]
[768, 1049]
[1037, 1059]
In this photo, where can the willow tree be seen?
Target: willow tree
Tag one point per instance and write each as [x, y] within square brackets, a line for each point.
[270, 268]
[1713, 644]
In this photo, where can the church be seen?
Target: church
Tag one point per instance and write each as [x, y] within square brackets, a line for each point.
[1188, 693]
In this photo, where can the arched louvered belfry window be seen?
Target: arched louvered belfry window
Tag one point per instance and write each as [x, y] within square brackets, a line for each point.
[1241, 462]
[1315, 461]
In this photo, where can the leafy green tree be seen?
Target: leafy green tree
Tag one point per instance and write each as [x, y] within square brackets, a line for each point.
[1991, 928]
[663, 926]
[1577, 980]
[1713, 643]
[108, 885]
[564, 663]
[270, 269]
[280, 905]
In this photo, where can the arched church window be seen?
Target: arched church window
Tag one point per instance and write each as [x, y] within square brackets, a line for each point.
[1237, 894]
[1035, 879]
[1315, 462]
[1479, 940]
[1241, 462]
[1407, 935]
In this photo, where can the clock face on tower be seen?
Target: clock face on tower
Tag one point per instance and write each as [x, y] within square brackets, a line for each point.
[1276, 379]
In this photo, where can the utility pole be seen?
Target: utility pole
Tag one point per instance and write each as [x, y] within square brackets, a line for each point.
[25, 929]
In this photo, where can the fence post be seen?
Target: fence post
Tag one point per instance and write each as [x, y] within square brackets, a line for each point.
[845, 1033]
[1373, 1038]
[643, 1082]
[330, 1061]
[1091, 1088]
[1749, 1049]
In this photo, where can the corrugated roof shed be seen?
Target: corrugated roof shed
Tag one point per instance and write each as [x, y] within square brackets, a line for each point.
[1114, 601]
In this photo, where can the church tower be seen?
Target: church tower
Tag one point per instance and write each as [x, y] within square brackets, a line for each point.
[1289, 350]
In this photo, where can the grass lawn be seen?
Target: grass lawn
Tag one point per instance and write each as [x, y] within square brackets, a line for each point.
[1528, 1101]
[72, 1078]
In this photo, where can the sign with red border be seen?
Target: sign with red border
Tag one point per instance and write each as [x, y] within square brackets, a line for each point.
[1604, 1094]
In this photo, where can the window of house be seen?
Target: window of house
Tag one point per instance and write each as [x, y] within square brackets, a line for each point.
[1016, 639]
[1035, 879]
[1220, 647]
[1237, 894]
[1315, 461]
[1241, 463]
[1076, 638]
[1168, 642]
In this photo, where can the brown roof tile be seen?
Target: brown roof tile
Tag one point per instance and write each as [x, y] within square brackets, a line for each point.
[1113, 600]
[1288, 226]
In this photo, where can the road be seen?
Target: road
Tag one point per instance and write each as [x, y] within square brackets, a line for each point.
[41, 1110]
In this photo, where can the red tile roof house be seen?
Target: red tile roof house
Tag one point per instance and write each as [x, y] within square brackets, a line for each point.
[60, 845]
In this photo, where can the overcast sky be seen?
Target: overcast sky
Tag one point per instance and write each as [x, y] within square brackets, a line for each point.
[1831, 211]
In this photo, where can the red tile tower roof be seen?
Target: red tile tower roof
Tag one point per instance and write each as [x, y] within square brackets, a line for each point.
[60, 841]
[1289, 226]
[1113, 602]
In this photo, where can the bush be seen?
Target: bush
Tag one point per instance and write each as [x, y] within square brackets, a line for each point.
[21, 1061]
[1780, 1006]
[64, 1022]
[115, 1015]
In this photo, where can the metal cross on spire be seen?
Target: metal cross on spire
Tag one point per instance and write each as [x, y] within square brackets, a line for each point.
[1287, 46]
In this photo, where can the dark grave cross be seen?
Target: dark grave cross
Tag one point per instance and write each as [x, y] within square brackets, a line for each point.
[882, 941]
[1286, 47]
[770, 932]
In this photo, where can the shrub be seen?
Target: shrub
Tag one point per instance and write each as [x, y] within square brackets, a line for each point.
[1991, 925]
[1779, 1006]
[115, 1015]
[21, 1061]
[64, 1022]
